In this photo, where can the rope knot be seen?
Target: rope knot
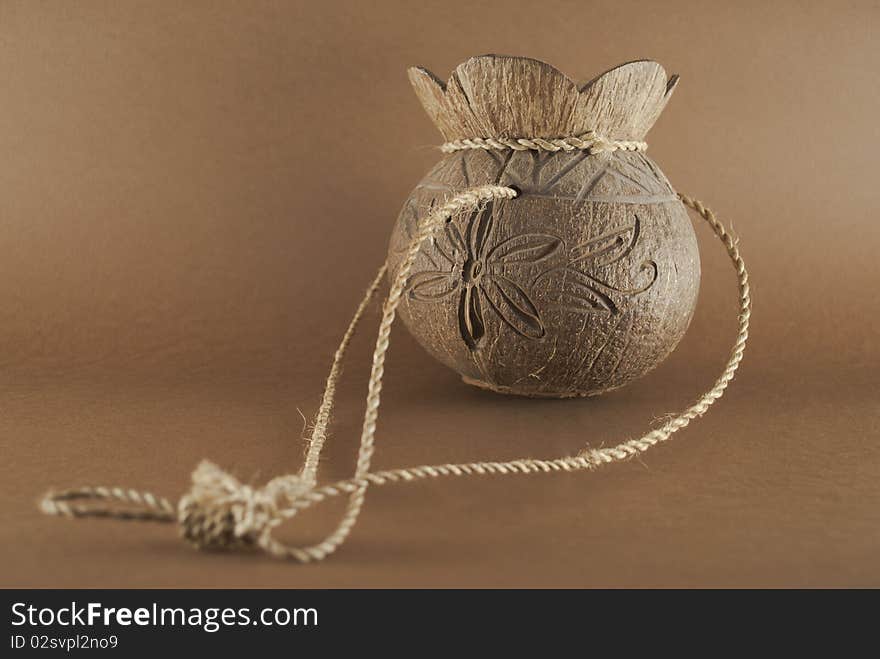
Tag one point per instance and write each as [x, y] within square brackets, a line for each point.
[220, 512]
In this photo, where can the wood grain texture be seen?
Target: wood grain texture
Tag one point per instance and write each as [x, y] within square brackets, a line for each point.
[588, 279]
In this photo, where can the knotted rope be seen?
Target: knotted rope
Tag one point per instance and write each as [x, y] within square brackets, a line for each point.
[220, 512]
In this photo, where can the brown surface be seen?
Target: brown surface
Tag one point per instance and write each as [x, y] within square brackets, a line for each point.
[184, 193]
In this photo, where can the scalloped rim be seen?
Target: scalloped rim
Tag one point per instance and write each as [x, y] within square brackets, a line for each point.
[621, 103]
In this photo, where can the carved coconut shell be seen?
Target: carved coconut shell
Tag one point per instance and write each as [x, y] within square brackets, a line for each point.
[584, 282]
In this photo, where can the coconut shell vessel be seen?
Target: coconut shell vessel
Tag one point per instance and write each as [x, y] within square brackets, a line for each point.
[589, 278]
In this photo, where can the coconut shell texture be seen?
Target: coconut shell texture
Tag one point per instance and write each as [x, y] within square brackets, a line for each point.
[584, 282]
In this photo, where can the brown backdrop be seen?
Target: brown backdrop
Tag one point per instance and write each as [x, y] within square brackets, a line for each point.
[193, 196]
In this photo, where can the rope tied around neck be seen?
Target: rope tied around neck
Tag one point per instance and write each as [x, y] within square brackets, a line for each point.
[589, 141]
[220, 512]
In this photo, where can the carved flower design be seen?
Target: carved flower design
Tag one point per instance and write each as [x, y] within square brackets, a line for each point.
[479, 271]
[586, 291]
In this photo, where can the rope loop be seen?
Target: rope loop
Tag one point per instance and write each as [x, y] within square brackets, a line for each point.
[115, 502]
[220, 512]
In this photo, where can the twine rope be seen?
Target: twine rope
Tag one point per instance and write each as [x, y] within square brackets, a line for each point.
[589, 141]
[220, 512]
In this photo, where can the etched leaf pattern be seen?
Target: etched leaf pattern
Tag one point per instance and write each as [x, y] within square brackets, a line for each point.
[432, 285]
[527, 248]
[608, 248]
[513, 306]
